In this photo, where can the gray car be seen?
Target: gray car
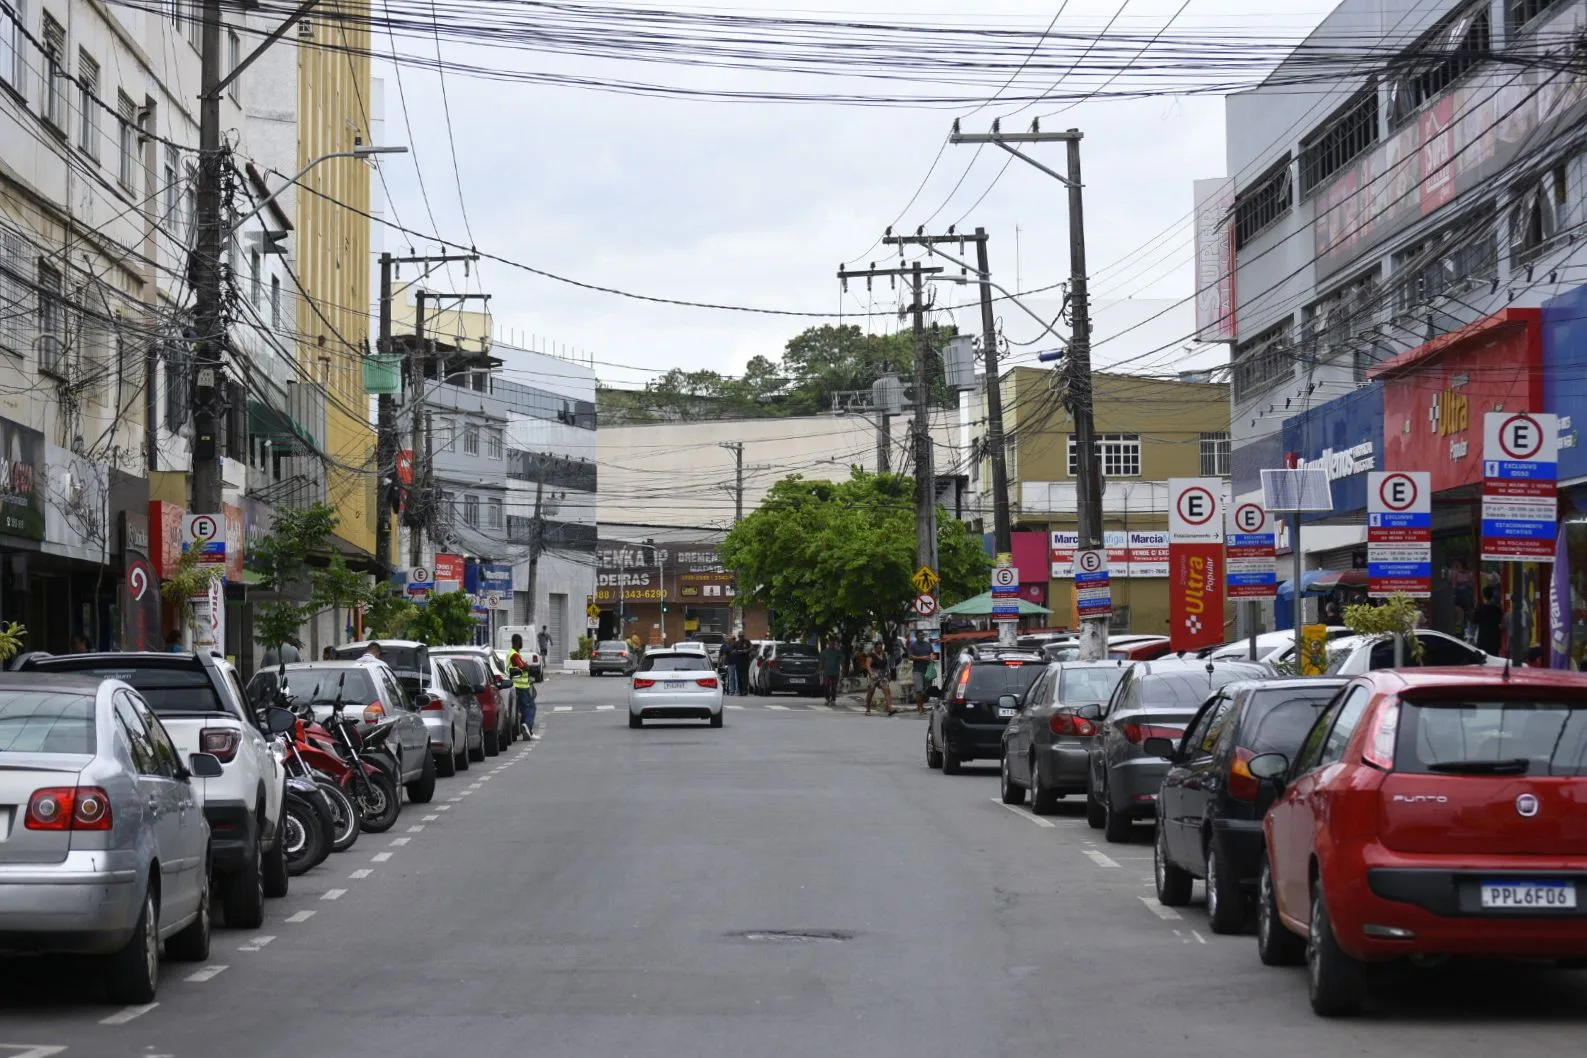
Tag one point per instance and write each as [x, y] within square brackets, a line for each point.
[453, 714]
[370, 693]
[108, 850]
[613, 656]
[1154, 699]
[1046, 747]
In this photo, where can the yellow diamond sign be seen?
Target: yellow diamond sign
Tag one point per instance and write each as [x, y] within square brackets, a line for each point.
[926, 580]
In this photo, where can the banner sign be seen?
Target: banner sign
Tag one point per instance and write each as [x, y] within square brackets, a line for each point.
[1137, 553]
[1520, 472]
[1195, 546]
[1005, 593]
[1093, 590]
[1400, 533]
[1250, 552]
[449, 573]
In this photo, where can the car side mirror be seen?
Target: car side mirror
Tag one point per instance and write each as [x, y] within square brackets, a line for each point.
[205, 765]
[1160, 747]
[279, 721]
[1008, 701]
[1269, 767]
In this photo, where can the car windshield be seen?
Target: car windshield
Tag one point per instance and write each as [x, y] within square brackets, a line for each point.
[1520, 737]
[169, 691]
[1089, 685]
[989, 681]
[1277, 722]
[674, 663]
[317, 685]
[46, 722]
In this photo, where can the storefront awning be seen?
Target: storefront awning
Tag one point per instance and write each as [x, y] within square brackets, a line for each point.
[283, 430]
[1487, 328]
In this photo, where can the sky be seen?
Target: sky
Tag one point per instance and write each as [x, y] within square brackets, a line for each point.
[759, 203]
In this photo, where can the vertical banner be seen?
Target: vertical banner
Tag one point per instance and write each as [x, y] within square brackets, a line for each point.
[1250, 553]
[1195, 560]
[1093, 588]
[1400, 533]
[1561, 611]
[1214, 236]
[1520, 472]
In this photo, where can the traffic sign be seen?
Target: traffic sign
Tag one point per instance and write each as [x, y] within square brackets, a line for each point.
[1400, 533]
[925, 605]
[592, 611]
[493, 600]
[1093, 584]
[203, 533]
[1195, 510]
[420, 581]
[1005, 577]
[1249, 552]
[1520, 470]
[926, 579]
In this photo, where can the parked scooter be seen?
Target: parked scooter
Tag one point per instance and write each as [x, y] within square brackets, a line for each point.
[318, 761]
[374, 789]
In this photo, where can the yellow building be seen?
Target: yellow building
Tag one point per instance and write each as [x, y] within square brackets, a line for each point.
[333, 257]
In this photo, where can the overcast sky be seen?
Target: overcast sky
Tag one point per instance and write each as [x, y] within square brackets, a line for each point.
[758, 203]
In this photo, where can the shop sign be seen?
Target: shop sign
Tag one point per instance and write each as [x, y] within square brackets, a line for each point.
[1520, 471]
[21, 481]
[76, 515]
[1215, 261]
[1400, 533]
[1138, 553]
[1357, 459]
[1195, 545]
[140, 593]
[449, 573]
[165, 522]
[1251, 552]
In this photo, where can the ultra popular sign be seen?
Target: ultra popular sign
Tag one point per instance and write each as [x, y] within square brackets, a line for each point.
[1520, 473]
[1252, 545]
[1196, 563]
[1400, 533]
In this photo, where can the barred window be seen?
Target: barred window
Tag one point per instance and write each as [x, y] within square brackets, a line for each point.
[1454, 46]
[126, 141]
[1119, 454]
[1262, 361]
[54, 72]
[1215, 454]
[1344, 138]
[1265, 201]
[1464, 253]
[1540, 212]
[88, 105]
[13, 47]
[16, 266]
[1345, 312]
[275, 301]
[51, 321]
[1519, 12]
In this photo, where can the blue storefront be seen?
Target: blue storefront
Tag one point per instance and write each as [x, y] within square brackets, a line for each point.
[1565, 394]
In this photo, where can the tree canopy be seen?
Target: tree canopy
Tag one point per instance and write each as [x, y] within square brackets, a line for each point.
[837, 557]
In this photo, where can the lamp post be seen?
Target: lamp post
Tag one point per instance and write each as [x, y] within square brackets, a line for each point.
[362, 150]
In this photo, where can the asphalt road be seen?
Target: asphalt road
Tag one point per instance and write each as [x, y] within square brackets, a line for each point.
[794, 884]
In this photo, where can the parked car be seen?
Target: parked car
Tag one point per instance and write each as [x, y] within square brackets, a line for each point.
[498, 711]
[201, 704]
[612, 656]
[408, 660]
[457, 731]
[107, 853]
[757, 661]
[1154, 699]
[967, 722]
[1120, 648]
[1269, 645]
[1210, 807]
[1045, 745]
[675, 685]
[1353, 655]
[1428, 813]
[791, 667]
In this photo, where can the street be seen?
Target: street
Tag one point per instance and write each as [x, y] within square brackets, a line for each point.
[795, 884]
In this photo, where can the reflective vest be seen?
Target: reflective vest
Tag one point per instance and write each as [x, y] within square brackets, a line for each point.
[520, 671]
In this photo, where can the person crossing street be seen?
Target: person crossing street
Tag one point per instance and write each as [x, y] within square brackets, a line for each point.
[522, 688]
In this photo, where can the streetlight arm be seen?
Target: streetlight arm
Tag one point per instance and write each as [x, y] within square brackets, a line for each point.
[357, 152]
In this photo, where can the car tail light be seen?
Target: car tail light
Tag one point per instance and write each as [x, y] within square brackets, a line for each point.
[1379, 749]
[1139, 733]
[69, 808]
[1243, 786]
[220, 741]
[374, 713]
[960, 692]
[641, 684]
[433, 705]
[1070, 724]
[772, 663]
[708, 681]
[622, 653]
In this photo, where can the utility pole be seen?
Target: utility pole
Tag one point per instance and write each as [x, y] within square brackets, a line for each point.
[884, 444]
[385, 433]
[1077, 374]
[737, 448]
[536, 535]
[205, 274]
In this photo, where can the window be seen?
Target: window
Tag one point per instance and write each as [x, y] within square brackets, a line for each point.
[88, 105]
[1450, 260]
[50, 320]
[1215, 454]
[126, 141]
[169, 760]
[13, 48]
[15, 270]
[173, 188]
[1346, 312]
[1119, 454]
[1453, 47]
[494, 513]
[1339, 142]
[1519, 12]
[471, 511]
[1265, 201]
[1202, 738]
[493, 442]
[189, 209]
[1541, 211]
[255, 280]
[195, 24]
[54, 90]
[470, 439]
[175, 387]
[139, 745]
[46, 721]
[233, 57]
[1355, 705]
[1011, 458]
[519, 529]
[275, 301]
[1262, 361]
[1527, 736]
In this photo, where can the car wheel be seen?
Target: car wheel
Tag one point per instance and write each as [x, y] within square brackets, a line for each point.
[951, 761]
[133, 973]
[1227, 905]
[1013, 794]
[1042, 800]
[1095, 816]
[1335, 983]
[276, 878]
[244, 898]
[1173, 883]
[716, 719]
[933, 754]
[635, 721]
[192, 943]
[445, 765]
[422, 789]
[492, 744]
[1275, 944]
[1116, 826]
[476, 755]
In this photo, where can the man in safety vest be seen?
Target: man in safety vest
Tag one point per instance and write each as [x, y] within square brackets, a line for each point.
[522, 687]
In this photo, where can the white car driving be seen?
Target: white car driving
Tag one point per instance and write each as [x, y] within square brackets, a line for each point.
[672, 684]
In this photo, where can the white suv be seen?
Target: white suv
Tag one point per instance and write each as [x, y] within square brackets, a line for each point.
[201, 703]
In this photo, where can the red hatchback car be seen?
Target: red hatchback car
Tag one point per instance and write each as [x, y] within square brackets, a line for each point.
[1430, 812]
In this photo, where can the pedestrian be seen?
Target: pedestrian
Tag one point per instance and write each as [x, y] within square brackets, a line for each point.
[921, 655]
[724, 665]
[544, 641]
[831, 670]
[328, 654]
[1489, 620]
[743, 652]
[371, 652]
[80, 644]
[877, 662]
[173, 642]
[1331, 614]
[522, 688]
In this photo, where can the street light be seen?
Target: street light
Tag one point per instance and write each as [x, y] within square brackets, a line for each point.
[360, 150]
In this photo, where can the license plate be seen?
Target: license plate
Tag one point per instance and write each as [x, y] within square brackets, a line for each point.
[799, 679]
[1529, 895]
[1007, 712]
[672, 685]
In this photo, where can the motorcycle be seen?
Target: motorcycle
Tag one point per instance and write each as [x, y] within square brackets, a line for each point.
[306, 822]
[374, 789]
[310, 757]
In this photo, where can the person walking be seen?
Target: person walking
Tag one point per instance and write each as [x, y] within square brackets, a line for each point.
[522, 688]
[831, 670]
[921, 655]
[878, 662]
[1489, 620]
[543, 640]
[743, 651]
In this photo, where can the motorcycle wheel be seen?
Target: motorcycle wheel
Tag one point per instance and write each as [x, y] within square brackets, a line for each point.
[347, 819]
[381, 804]
[303, 836]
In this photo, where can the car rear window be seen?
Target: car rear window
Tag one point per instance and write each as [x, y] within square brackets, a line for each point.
[611, 644]
[1088, 685]
[170, 691]
[674, 663]
[1278, 722]
[46, 722]
[397, 658]
[1188, 688]
[1525, 737]
[990, 680]
[786, 650]
[318, 686]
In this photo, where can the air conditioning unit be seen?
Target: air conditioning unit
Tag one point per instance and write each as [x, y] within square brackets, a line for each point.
[306, 29]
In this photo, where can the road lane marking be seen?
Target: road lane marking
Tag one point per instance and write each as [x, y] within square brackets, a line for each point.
[416, 828]
[735, 707]
[562, 709]
[443, 808]
[779, 708]
[334, 894]
[208, 973]
[605, 708]
[399, 842]
[256, 943]
[362, 872]
[1100, 859]
[1038, 820]
[453, 800]
[300, 916]
[1167, 914]
[464, 794]
[120, 1017]
[380, 857]
[1199, 938]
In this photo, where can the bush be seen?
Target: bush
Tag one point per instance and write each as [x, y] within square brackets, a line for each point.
[586, 647]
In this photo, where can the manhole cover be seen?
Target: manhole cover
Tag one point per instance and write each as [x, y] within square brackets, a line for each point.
[794, 936]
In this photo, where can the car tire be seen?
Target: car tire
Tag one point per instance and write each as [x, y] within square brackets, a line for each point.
[243, 901]
[133, 974]
[191, 944]
[933, 754]
[1228, 907]
[276, 879]
[951, 762]
[1275, 944]
[1116, 826]
[1042, 800]
[1173, 883]
[716, 719]
[634, 721]
[476, 755]
[422, 789]
[1095, 814]
[445, 765]
[1335, 982]
[1011, 792]
[492, 744]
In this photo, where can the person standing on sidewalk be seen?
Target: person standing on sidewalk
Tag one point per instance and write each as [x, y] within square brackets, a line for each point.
[522, 687]
[921, 655]
[831, 670]
[878, 662]
[543, 640]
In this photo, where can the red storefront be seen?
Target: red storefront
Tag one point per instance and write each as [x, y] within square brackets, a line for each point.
[1434, 400]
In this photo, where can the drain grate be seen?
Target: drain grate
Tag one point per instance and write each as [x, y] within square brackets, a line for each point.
[794, 936]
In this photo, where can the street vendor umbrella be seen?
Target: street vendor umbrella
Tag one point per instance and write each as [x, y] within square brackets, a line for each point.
[981, 606]
[1323, 581]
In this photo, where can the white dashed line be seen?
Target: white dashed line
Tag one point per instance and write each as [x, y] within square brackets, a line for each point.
[1199, 938]
[443, 808]
[300, 916]
[779, 708]
[362, 872]
[1167, 914]
[562, 709]
[1098, 858]
[1038, 820]
[380, 857]
[120, 1017]
[604, 708]
[453, 800]
[416, 828]
[334, 894]
[208, 973]
[256, 943]
[461, 795]
[735, 707]
[399, 842]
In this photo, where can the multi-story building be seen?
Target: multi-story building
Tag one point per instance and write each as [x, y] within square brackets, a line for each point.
[1381, 252]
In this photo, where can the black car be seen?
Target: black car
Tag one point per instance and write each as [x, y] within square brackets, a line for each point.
[1210, 807]
[1045, 746]
[967, 722]
[789, 667]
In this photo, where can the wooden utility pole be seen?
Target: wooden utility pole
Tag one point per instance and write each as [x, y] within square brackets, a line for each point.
[737, 448]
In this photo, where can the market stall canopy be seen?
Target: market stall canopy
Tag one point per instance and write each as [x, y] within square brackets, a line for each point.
[981, 606]
[1323, 581]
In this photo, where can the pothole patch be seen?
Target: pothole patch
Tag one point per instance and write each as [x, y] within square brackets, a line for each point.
[793, 936]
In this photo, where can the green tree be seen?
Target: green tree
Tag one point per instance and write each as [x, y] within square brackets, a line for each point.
[281, 559]
[187, 582]
[448, 619]
[337, 586]
[388, 613]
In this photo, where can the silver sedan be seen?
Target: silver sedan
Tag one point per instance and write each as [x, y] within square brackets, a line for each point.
[108, 850]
